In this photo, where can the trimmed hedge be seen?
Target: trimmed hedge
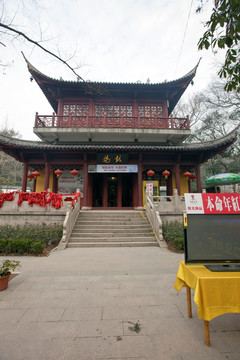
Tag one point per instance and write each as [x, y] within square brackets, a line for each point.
[28, 239]
[173, 232]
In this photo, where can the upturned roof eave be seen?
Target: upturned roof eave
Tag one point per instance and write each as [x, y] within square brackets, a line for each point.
[214, 145]
[45, 82]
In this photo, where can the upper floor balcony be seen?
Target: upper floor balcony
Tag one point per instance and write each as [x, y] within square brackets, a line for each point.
[84, 128]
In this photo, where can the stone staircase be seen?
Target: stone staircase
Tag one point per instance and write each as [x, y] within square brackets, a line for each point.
[112, 228]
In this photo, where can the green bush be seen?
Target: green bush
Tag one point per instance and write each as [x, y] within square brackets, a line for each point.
[3, 245]
[172, 230]
[28, 239]
[36, 247]
[173, 233]
[179, 243]
[45, 233]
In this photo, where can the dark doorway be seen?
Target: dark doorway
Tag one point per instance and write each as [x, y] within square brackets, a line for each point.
[112, 191]
[127, 195]
[97, 190]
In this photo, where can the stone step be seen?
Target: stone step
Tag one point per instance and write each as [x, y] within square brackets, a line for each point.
[110, 234]
[109, 217]
[108, 222]
[111, 244]
[112, 228]
[109, 239]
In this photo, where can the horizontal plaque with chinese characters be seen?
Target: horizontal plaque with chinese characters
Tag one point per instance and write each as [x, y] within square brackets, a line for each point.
[227, 203]
[112, 168]
[112, 158]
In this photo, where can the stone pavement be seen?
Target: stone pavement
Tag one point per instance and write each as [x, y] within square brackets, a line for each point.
[81, 304]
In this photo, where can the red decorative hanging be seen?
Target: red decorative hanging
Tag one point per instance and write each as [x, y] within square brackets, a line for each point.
[150, 173]
[192, 177]
[187, 174]
[166, 173]
[74, 172]
[35, 174]
[30, 176]
[58, 172]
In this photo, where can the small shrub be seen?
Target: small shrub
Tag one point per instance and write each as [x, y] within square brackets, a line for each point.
[178, 242]
[36, 248]
[172, 230]
[3, 245]
[173, 233]
[46, 234]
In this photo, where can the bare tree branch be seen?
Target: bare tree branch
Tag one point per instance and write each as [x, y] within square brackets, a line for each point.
[20, 33]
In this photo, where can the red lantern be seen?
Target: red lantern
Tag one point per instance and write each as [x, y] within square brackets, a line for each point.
[166, 173]
[30, 176]
[187, 174]
[74, 172]
[150, 173]
[35, 174]
[192, 177]
[58, 173]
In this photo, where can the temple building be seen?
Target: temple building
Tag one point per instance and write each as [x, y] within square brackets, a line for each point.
[112, 141]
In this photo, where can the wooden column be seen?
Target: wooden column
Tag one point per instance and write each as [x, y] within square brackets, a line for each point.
[177, 177]
[105, 190]
[85, 181]
[140, 191]
[119, 190]
[55, 184]
[34, 184]
[24, 178]
[198, 178]
[46, 176]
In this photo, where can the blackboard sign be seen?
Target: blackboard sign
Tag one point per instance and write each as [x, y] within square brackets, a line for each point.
[212, 229]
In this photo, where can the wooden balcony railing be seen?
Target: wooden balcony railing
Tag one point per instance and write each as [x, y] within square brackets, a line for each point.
[56, 121]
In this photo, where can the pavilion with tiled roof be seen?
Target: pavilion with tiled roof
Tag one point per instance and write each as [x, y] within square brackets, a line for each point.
[112, 134]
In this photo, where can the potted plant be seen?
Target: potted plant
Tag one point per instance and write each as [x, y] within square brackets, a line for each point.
[5, 271]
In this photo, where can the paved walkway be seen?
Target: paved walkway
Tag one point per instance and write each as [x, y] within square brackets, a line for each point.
[82, 304]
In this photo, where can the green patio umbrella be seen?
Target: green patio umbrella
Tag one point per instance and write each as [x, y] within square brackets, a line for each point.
[223, 179]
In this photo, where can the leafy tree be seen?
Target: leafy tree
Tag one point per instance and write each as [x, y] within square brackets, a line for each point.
[213, 114]
[11, 33]
[10, 169]
[223, 31]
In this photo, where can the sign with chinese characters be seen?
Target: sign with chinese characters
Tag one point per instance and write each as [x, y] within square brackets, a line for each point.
[68, 183]
[149, 188]
[112, 168]
[228, 203]
[112, 158]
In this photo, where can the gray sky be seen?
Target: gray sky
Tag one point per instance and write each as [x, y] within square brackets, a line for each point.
[112, 40]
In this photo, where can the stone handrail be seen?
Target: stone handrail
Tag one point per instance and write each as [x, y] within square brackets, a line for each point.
[155, 220]
[169, 204]
[68, 224]
[162, 205]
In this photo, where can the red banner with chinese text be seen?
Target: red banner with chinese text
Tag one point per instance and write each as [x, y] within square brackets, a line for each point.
[214, 203]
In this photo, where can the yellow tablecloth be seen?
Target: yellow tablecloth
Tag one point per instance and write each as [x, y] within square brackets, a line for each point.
[216, 293]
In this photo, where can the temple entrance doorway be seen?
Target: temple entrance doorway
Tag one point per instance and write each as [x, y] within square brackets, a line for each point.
[112, 187]
[112, 190]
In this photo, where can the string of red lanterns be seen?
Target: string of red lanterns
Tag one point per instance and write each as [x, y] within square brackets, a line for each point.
[57, 172]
